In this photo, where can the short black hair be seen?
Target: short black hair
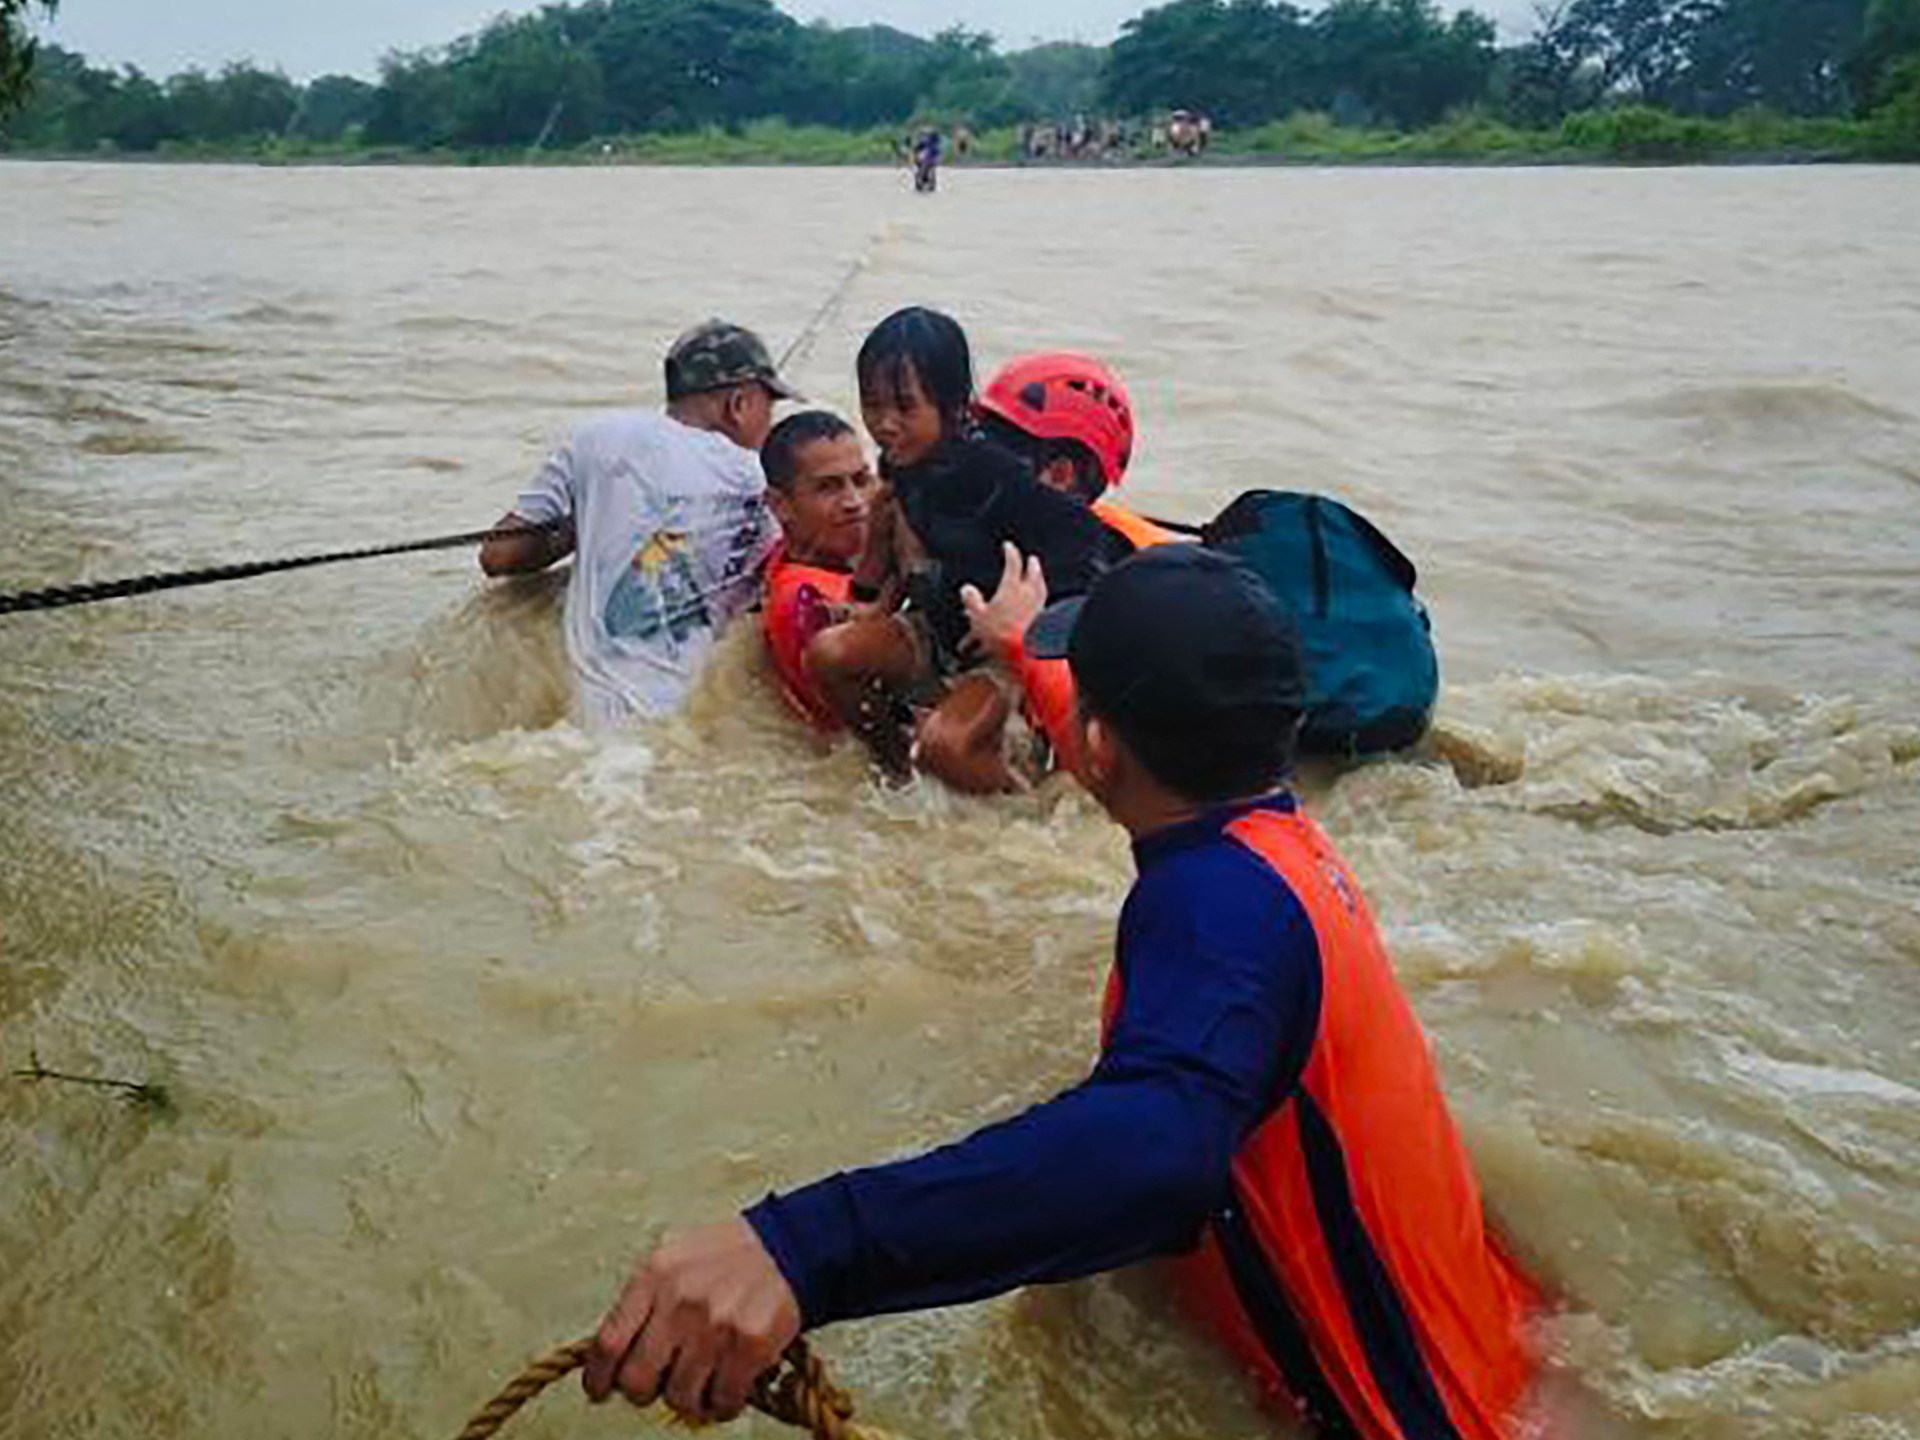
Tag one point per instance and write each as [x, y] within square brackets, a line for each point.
[780, 456]
[1089, 480]
[1226, 757]
[934, 348]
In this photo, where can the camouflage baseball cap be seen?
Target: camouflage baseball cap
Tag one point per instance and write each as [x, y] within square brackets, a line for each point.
[715, 354]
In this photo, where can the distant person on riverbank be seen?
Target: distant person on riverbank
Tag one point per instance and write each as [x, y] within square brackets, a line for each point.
[901, 676]
[666, 516]
[1264, 1105]
[821, 490]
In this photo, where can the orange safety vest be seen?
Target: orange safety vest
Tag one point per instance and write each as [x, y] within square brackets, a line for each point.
[1048, 684]
[790, 617]
[1354, 1268]
[1136, 528]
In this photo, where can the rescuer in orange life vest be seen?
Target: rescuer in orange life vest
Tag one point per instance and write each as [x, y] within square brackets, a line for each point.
[1069, 417]
[1264, 1104]
[820, 488]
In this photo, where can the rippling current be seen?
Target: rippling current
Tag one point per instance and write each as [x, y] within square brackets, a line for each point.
[457, 1004]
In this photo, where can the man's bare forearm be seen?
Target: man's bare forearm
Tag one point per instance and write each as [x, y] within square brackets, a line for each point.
[525, 547]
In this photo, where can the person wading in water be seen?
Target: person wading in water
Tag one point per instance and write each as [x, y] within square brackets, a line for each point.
[821, 490]
[665, 516]
[1264, 1104]
[900, 675]
[1069, 417]
[926, 161]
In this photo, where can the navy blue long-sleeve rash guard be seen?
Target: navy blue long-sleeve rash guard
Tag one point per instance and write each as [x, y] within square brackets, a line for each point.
[1220, 999]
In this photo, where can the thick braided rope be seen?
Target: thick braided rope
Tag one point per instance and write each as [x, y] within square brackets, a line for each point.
[800, 1394]
[557, 1362]
[58, 596]
[797, 1392]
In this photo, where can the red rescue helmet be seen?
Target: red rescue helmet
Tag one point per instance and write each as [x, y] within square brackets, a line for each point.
[1064, 396]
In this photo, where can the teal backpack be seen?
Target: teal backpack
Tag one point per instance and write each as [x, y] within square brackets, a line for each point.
[1372, 676]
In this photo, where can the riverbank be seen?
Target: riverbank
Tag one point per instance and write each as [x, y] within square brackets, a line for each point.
[1629, 135]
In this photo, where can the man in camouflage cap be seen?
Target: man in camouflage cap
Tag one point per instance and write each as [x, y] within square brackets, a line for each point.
[663, 512]
[716, 355]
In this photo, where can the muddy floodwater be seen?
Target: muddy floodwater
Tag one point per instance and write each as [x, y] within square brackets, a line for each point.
[457, 1004]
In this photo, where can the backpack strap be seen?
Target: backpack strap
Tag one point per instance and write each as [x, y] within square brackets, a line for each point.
[1179, 527]
[1242, 516]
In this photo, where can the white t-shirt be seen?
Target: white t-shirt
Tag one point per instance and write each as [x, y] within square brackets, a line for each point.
[671, 530]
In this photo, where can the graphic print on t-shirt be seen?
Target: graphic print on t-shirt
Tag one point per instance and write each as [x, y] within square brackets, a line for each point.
[658, 597]
[671, 530]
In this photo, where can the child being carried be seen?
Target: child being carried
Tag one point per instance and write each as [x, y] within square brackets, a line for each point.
[903, 675]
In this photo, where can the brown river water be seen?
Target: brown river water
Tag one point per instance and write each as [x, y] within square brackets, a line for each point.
[457, 1004]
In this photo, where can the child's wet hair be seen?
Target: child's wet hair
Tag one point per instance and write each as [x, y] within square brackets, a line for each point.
[931, 346]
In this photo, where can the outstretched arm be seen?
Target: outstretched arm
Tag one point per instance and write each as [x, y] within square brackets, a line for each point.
[526, 546]
[1220, 1002]
[541, 522]
[1111, 1172]
[1125, 1166]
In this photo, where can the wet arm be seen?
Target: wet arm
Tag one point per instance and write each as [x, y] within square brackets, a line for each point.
[1116, 1170]
[541, 522]
[527, 547]
[879, 563]
[1126, 1165]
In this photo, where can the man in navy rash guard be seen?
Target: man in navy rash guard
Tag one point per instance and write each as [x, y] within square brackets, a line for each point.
[1121, 1167]
[1263, 1092]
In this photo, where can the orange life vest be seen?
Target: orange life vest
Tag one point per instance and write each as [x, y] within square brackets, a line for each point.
[791, 614]
[1136, 528]
[1048, 684]
[1354, 1267]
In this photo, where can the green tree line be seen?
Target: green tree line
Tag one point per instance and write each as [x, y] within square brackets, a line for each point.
[571, 73]
[17, 49]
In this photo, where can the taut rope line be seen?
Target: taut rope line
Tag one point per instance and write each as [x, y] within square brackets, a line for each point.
[803, 342]
[58, 597]
[796, 1392]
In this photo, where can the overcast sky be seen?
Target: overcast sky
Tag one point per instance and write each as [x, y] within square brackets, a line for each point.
[314, 37]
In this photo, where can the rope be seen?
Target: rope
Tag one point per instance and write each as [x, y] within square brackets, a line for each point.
[59, 596]
[796, 1392]
[803, 342]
